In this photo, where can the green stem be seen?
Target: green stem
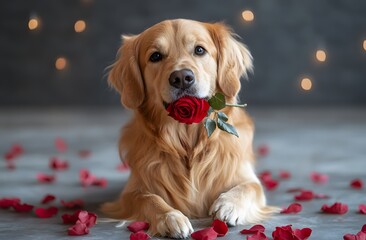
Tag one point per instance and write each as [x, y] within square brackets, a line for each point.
[236, 105]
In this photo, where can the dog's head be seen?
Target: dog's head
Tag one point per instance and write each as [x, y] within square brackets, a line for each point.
[180, 57]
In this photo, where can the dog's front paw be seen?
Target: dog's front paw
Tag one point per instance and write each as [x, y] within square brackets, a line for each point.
[174, 224]
[228, 209]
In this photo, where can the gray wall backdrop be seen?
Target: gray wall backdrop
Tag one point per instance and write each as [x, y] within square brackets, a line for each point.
[283, 39]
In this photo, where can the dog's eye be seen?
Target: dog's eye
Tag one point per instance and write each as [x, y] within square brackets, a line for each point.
[156, 57]
[199, 50]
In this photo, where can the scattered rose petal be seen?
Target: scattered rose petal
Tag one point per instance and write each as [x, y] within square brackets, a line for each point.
[336, 208]
[302, 234]
[8, 202]
[88, 218]
[283, 233]
[359, 236]
[44, 178]
[77, 203]
[265, 175]
[356, 183]
[267, 180]
[22, 207]
[205, 234]
[122, 167]
[304, 195]
[138, 226]
[60, 144]
[139, 236]
[84, 153]
[48, 198]
[58, 164]
[320, 178]
[101, 182]
[258, 236]
[70, 218]
[253, 230]
[78, 229]
[292, 208]
[46, 212]
[263, 150]
[362, 208]
[86, 177]
[363, 229]
[285, 174]
[220, 227]
[15, 151]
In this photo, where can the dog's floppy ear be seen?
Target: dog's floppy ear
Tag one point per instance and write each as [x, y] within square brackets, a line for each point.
[125, 75]
[233, 59]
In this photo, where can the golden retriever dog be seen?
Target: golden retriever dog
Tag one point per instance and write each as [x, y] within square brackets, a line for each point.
[177, 172]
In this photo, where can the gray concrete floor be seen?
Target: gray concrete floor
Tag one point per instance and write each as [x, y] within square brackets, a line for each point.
[331, 141]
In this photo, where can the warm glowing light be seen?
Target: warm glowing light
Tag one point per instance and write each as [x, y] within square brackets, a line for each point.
[320, 55]
[364, 45]
[248, 15]
[33, 23]
[306, 84]
[60, 63]
[80, 26]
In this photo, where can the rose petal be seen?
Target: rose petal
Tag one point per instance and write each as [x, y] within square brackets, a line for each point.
[101, 182]
[44, 178]
[15, 151]
[22, 207]
[292, 208]
[363, 229]
[253, 230]
[220, 227]
[270, 184]
[88, 218]
[258, 236]
[8, 202]
[285, 174]
[263, 150]
[48, 198]
[205, 234]
[302, 234]
[84, 153]
[46, 212]
[78, 229]
[336, 208]
[359, 236]
[58, 164]
[139, 236]
[138, 226]
[86, 177]
[320, 178]
[60, 144]
[70, 218]
[356, 183]
[362, 208]
[188, 109]
[77, 203]
[283, 233]
[304, 195]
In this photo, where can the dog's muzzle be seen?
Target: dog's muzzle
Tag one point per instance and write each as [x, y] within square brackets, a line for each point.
[182, 79]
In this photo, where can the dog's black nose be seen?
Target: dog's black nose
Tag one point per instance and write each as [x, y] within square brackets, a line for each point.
[182, 79]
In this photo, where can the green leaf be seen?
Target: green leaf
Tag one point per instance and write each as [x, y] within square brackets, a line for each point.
[222, 116]
[217, 101]
[210, 126]
[226, 127]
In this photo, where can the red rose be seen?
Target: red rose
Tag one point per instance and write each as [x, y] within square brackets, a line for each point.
[188, 109]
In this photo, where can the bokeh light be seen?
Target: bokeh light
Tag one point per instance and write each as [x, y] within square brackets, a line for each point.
[306, 84]
[321, 55]
[33, 23]
[79, 26]
[248, 15]
[60, 63]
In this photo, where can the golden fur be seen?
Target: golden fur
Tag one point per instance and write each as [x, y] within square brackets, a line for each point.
[177, 172]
